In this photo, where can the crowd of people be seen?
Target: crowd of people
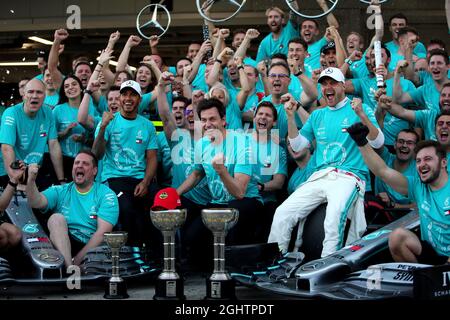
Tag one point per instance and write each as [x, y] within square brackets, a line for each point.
[303, 123]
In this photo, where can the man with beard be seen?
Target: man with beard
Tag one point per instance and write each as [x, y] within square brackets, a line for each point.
[366, 88]
[309, 31]
[279, 77]
[430, 189]
[270, 167]
[431, 81]
[82, 210]
[127, 143]
[276, 41]
[340, 177]
[180, 140]
[424, 119]
[402, 161]
[442, 132]
[224, 158]
[26, 132]
[397, 22]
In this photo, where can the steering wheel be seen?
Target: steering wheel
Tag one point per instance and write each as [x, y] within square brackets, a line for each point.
[153, 22]
[333, 4]
[201, 7]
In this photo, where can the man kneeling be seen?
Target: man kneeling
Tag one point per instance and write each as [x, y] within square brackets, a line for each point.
[84, 210]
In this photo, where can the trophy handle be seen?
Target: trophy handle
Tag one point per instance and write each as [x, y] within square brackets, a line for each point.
[209, 3]
[333, 4]
[368, 1]
[153, 21]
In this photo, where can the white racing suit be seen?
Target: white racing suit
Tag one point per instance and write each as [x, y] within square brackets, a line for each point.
[344, 192]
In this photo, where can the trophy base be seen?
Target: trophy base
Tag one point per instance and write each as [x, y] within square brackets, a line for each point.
[220, 289]
[169, 289]
[116, 290]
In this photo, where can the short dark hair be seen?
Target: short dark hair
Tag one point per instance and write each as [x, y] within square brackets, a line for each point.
[439, 52]
[388, 53]
[403, 31]
[438, 42]
[299, 41]
[267, 104]
[398, 16]
[443, 113]
[112, 88]
[440, 150]
[183, 58]
[279, 56]
[315, 22]
[90, 153]
[411, 131]
[81, 63]
[183, 99]
[210, 103]
[239, 30]
[283, 64]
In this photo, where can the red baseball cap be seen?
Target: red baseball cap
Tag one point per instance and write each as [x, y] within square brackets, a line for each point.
[166, 199]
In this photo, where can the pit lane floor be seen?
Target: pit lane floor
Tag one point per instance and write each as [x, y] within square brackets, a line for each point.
[194, 289]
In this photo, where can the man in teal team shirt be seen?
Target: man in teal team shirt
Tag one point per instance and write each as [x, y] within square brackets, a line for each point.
[429, 188]
[27, 129]
[277, 40]
[127, 143]
[82, 211]
[340, 175]
[224, 158]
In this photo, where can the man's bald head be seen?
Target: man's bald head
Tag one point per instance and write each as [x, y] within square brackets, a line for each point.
[34, 96]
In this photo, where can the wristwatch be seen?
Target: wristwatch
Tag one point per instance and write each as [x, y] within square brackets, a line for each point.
[299, 73]
[348, 61]
[87, 91]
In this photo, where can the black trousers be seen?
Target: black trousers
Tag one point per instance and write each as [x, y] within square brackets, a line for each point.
[134, 214]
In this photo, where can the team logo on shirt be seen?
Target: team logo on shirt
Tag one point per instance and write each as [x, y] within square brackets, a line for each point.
[42, 132]
[139, 137]
[93, 213]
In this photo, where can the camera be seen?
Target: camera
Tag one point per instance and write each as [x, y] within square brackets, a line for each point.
[16, 165]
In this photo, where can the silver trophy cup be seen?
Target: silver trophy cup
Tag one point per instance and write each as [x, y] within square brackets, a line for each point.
[169, 285]
[219, 221]
[116, 287]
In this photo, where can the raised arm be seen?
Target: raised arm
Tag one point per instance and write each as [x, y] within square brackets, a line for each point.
[122, 63]
[166, 116]
[83, 116]
[222, 59]
[53, 57]
[245, 84]
[249, 36]
[398, 95]
[205, 47]
[331, 19]
[340, 50]
[56, 157]
[395, 179]
[35, 199]
[99, 145]
[397, 110]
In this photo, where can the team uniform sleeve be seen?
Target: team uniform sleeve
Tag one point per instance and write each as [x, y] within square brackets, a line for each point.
[153, 138]
[8, 128]
[52, 196]
[109, 207]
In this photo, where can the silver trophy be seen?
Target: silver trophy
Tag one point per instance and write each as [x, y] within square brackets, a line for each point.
[116, 287]
[219, 221]
[169, 285]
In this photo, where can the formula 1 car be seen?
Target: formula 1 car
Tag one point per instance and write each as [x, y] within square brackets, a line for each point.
[40, 263]
[363, 270]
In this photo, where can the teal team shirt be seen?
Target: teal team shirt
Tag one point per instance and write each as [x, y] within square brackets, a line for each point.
[300, 175]
[270, 160]
[182, 148]
[164, 161]
[366, 88]
[237, 152]
[314, 53]
[427, 95]
[334, 147]
[425, 119]
[419, 50]
[82, 210]
[434, 213]
[126, 144]
[269, 46]
[51, 101]
[28, 136]
[381, 186]
[64, 115]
